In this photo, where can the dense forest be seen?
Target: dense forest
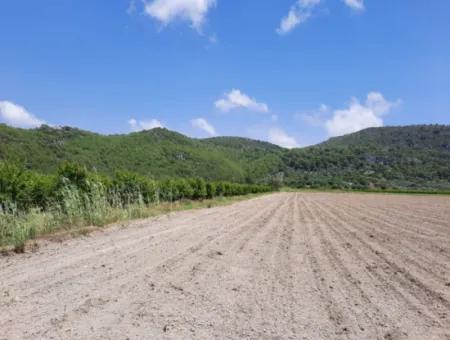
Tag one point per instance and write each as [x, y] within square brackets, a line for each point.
[158, 153]
[410, 157]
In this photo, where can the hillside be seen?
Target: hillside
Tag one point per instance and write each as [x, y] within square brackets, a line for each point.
[394, 157]
[158, 153]
[388, 157]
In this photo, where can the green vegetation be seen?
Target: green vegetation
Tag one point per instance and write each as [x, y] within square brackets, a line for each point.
[401, 158]
[393, 158]
[158, 153]
[125, 176]
[33, 204]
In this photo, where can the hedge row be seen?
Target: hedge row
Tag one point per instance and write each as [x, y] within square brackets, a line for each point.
[25, 189]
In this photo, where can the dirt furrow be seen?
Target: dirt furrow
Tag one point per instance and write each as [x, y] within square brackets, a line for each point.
[106, 273]
[414, 252]
[406, 257]
[372, 321]
[282, 266]
[415, 210]
[388, 298]
[412, 228]
[322, 272]
[418, 295]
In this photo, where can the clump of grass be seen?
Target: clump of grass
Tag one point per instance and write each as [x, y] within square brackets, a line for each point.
[75, 210]
[32, 204]
[17, 227]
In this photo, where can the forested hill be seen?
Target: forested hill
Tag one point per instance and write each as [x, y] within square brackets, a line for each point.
[158, 153]
[389, 157]
[394, 157]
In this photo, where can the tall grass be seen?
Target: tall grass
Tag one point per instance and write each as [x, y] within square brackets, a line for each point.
[34, 204]
[74, 209]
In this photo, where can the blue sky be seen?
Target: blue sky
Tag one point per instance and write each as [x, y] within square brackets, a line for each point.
[293, 72]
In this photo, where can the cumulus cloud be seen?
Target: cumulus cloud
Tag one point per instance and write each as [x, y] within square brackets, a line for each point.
[280, 137]
[236, 99]
[141, 125]
[16, 115]
[357, 5]
[202, 124]
[300, 12]
[167, 11]
[359, 116]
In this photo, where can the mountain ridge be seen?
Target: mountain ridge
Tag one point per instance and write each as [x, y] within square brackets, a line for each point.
[413, 156]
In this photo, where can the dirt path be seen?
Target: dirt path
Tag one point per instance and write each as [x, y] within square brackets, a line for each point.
[284, 266]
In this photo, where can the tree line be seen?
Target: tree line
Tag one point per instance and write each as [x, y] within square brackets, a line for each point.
[33, 204]
[25, 189]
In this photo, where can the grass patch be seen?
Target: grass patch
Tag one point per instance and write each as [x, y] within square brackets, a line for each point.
[17, 228]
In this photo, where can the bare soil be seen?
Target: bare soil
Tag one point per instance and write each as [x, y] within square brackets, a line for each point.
[282, 266]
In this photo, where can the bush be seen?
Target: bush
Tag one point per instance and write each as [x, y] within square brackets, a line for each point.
[199, 189]
[31, 203]
[210, 190]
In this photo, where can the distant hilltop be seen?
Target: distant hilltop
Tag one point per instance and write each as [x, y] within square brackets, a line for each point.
[387, 157]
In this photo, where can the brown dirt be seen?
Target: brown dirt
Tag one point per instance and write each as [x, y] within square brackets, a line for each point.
[283, 266]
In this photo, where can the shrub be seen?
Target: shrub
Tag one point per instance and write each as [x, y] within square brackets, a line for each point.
[210, 190]
[31, 203]
[199, 189]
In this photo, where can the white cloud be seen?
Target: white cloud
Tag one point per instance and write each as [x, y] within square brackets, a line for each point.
[136, 125]
[280, 137]
[300, 12]
[236, 99]
[316, 117]
[360, 116]
[166, 11]
[202, 124]
[16, 115]
[357, 5]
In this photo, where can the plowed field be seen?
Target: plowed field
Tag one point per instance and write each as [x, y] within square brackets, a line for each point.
[282, 266]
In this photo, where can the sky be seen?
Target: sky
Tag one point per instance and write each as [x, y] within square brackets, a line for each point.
[292, 72]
